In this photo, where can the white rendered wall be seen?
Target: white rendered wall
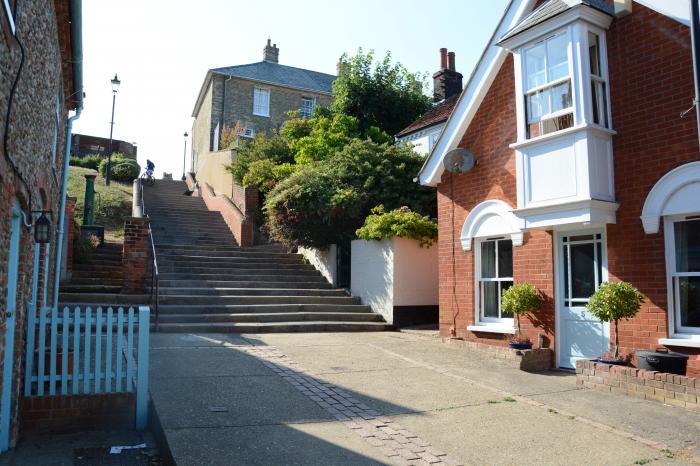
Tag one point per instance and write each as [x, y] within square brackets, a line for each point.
[415, 273]
[325, 261]
[394, 272]
[372, 275]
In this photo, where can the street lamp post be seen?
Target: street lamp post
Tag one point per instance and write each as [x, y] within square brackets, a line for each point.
[115, 88]
[184, 156]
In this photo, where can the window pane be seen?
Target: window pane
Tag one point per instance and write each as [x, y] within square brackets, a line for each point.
[561, 96]
[505, 259]
[594, 53]
[535, 66]
[551, 125]
[537, 105]
[687, 246]
[489, 298]
[689, 305]
[557, 57]
[582, 270]
[504, 287]
[488, 259]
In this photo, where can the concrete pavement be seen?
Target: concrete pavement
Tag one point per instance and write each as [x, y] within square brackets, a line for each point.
[392, 398]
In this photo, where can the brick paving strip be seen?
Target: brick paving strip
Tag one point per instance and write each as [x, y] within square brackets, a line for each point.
[400, 445]
[613, 430]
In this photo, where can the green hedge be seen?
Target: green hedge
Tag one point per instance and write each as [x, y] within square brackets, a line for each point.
[402, 223]
[91, 161]
[123, 169]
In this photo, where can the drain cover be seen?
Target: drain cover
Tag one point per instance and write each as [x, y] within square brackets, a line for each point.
[102, 457]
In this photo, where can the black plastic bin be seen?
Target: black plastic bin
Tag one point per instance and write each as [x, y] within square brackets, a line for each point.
[662, 361]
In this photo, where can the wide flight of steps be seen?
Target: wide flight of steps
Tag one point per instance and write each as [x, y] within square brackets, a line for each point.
[209, 284]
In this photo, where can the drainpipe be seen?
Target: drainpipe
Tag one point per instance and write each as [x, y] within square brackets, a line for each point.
[76, 32]
[695, 38]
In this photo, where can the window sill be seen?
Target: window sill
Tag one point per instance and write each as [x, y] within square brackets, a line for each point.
[261, 115]
[563, 132]
[687, 340]
[492, 328]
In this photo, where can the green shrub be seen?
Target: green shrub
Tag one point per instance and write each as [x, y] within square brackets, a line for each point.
[614, 301]
[123, 169]
[399, 222]
[83, 248]
[91, 161]
[520, 299]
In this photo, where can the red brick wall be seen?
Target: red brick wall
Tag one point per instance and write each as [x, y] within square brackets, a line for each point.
[246, 199]
[77, 413]
[135, 255]
[241, 226]
[651, 82]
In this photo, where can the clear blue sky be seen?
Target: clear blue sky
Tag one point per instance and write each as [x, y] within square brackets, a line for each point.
[163, 49]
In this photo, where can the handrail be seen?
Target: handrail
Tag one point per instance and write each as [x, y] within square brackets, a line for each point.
[155, 278]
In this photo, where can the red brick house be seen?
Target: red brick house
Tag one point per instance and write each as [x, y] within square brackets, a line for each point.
[41, 81]
[586, 173]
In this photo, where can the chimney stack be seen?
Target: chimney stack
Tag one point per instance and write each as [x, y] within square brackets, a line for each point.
[447, 81]
[271, 53]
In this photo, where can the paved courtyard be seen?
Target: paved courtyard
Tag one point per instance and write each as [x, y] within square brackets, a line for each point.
[392, 398]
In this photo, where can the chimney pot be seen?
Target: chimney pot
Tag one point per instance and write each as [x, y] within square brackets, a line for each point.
[271, 52]
[451, 61]
[443, 58]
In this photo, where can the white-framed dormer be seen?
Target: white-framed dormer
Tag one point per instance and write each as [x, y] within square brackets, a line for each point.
[564, 158]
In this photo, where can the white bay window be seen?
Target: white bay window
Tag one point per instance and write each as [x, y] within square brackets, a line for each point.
[564, 152]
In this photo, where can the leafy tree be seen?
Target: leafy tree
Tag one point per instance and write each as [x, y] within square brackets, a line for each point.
[326, 202]
[520, 299]
[262, 147]
[614, 301]
[385, 95]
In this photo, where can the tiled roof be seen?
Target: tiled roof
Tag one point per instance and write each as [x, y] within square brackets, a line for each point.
[275, 73]
[435, 115]
[553, 8]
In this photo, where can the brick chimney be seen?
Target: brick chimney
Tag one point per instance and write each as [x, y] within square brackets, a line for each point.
[271, 53]
[447, 81]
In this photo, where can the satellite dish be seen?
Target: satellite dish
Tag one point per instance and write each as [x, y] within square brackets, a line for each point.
[459, 160]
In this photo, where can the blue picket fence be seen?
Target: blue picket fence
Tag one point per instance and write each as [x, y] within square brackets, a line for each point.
[89, 352]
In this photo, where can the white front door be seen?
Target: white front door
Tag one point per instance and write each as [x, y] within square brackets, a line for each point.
[9, 340]
[581, 268]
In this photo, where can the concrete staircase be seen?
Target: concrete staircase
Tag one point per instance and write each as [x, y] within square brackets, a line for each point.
[209, 284]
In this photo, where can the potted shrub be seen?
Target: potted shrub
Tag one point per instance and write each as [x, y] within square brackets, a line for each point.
[520, 299]
[614, 301]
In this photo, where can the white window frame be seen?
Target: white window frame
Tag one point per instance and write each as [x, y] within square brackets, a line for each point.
[10, 18]
[261, 108]
[527, 92]
[311, 111]
[500, 324]
[600, 79]
[671, 278]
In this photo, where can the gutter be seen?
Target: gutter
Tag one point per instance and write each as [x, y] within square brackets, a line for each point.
[76, 33]
[695, 39]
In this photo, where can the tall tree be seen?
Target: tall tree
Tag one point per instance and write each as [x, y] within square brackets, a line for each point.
[385, 95]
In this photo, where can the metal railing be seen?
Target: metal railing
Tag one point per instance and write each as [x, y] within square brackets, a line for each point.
[155, 297]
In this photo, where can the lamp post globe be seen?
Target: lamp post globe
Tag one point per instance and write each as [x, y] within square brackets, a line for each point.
[115, 88]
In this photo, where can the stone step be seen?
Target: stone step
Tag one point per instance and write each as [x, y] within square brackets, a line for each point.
[239, 253]
[274, 327]
[90, 279]
[166, 309]
[79, 299]
[89, 288]
[243, 267]
[319, 283]
[269, 317]
[89, 267]
[211, 291]
[243, 299]
[232, 262]
[263, 275]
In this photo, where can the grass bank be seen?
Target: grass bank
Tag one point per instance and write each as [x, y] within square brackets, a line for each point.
[112, 203]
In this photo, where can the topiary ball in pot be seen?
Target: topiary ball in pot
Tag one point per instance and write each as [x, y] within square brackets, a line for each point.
[520, 299]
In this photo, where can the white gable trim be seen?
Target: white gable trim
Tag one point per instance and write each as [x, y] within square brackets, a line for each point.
[474, 93]
[491, 218]
[676, 193]
[675, 9]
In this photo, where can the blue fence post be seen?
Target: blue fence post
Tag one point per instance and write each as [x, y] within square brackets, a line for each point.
[142, 369]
